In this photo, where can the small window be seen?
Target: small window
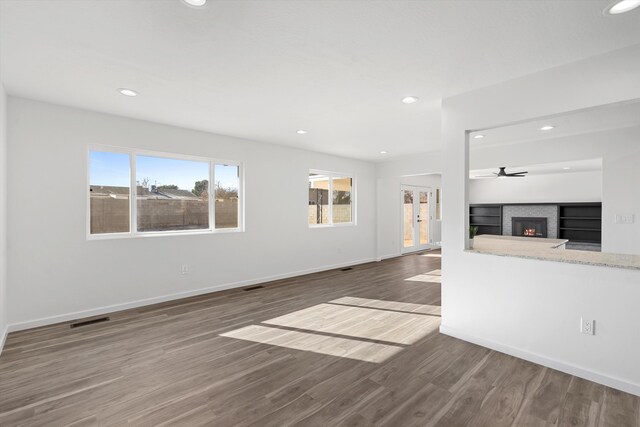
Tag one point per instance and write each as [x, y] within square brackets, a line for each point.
[318, 199]
[438, 204]
[109, 188]
[342, 200]
[330, 199]
[227, 189]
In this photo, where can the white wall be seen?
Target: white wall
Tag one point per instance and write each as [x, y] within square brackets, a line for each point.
[56, 274]
[390, 176]
[532, 308]
[562, 187]
[621, 196]
[3, 216]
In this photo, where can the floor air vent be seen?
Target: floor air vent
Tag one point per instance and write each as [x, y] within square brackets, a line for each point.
[253, 288]
[89, 322]
[346, 269]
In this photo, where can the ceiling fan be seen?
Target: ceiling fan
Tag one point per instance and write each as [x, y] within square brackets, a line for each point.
[503, 174]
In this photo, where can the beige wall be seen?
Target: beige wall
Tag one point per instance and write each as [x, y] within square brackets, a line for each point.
[341, 213]
[112, 215]
[339, 184]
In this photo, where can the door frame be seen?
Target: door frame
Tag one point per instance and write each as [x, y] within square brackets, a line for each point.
[417, 247]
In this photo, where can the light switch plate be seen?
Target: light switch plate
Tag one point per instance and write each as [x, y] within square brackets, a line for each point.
[624, 219]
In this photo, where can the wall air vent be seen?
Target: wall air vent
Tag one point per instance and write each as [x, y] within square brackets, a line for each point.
[89, 322]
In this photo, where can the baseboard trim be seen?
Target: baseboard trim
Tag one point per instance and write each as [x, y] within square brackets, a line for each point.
[567, 368]
[389, 256]
[46, 321]
[3, 338]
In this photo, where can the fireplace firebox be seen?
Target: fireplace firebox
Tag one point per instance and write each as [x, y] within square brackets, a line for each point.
[529, 227]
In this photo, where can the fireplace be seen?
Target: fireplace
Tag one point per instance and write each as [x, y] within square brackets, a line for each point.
[529, 227]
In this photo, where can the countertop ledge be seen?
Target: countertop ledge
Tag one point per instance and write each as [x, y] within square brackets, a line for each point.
[599, 259]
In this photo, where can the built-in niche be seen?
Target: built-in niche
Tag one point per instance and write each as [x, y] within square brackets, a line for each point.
[579, 223]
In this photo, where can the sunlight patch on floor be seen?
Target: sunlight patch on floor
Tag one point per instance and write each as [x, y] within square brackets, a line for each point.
[356, 328]
[425, 278]
[432, 255]
[308, 341]
[360, 322]
[407, 307]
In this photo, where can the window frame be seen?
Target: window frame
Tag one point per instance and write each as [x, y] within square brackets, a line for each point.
[331, 176]
[133, 208]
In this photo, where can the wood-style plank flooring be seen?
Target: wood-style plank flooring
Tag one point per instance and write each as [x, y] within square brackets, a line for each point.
[353, 348]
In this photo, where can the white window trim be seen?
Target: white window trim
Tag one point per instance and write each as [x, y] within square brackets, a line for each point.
[133, 214]
[354, 195]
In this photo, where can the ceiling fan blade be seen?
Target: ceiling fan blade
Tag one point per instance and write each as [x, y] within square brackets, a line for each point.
[516, 173]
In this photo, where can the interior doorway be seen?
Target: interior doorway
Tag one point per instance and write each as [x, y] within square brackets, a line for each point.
[417, 214]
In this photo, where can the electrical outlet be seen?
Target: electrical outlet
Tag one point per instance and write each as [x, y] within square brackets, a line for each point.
[587, 327]
[185, 269]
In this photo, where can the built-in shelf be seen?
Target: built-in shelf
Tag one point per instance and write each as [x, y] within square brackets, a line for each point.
[581, 217]
[577, 222]
[488, 218]
[580, 222]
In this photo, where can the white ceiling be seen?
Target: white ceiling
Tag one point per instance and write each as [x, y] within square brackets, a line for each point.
[263, 69]
[607, 117]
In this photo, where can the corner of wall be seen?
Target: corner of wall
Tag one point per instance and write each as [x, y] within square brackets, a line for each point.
[3, 216]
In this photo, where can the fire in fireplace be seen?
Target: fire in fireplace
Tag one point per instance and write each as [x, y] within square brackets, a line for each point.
[529, 227]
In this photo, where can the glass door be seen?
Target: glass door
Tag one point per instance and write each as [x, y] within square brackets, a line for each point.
[416, 213]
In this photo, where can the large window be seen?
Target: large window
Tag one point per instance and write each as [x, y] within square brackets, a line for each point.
[172, 194]
[331, 199]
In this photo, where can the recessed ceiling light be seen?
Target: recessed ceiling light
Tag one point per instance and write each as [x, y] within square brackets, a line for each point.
[566, 168]
[410, 99]
[479, 136]
[128, 92]
[301, 132]
[195, 3]
[547, 127]
[383, 152]
[622, 7]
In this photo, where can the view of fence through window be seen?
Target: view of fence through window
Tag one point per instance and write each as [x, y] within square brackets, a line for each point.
[171, 194]
[326, 209]
[110, 182]
[226, 187]
[166, 196]
[342, 200]
[318, 199]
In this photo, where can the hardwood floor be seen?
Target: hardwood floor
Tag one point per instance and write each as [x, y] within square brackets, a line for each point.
[353, 348]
